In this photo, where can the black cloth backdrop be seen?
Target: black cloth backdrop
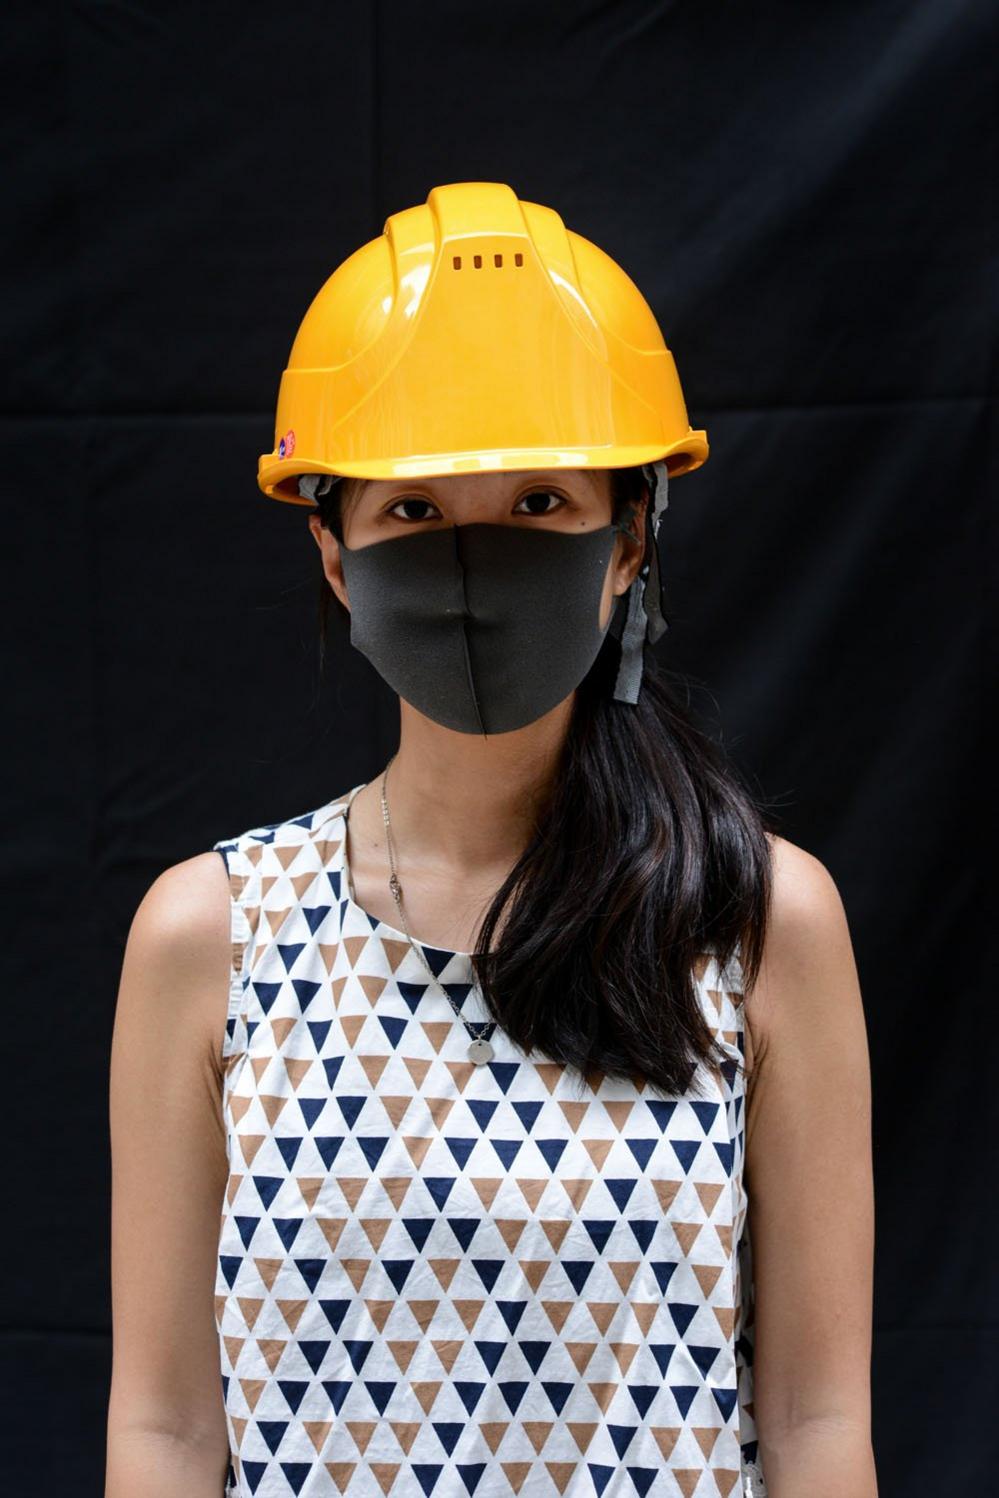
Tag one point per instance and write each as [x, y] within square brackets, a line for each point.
[806, 195]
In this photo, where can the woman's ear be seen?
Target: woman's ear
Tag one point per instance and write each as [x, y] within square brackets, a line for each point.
[330, 549]
[632, 545]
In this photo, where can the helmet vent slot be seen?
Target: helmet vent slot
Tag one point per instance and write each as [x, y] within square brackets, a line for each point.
[518, 259]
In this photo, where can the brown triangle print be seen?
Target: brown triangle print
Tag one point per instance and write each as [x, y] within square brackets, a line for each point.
[331, 1228]
[602, 1313]
[426, 1393]
[555, 1230]
[250, 1306]
[534, 1271]
[598, 1150]
[582, 1432]
[445, 1270]
[277, 918]
[405, 1432]
[537, 1432]
[577, 1191]
[327, 951]
[603, 1394]
[233, 1347]
[666, 1191]
[687, 1234]
[624, 1272]
[436, 1031]
[353, 946]
[273, 1349]
[385, 1474]
[468, 1311]
[352, 1025]
[423, 1311]
[706, 1437]
[327, 848]
[557, 1312]
[666, 1437]
[574, 1113]
[395, 950]
[439, 1108]
[361, 1432]
[686, 1479]
[486, 1188]
[624, 1353]
[644, 1312]
[561, 1474]
[301, 882]
[373, 1066]
[707, 1276]
[341, 1473]
[417, 1068]
[297, 1069]
[252, 1389]
[709, 1192]
[292, 1311]
[516, 1473]
[395, 1187]
[618, 1112]
[356, 1270]
[373, 987]
[448, 1350]
[268, 1270]
[374, 1229]
[317, 1432]
[493, 1432]
[379, 1311]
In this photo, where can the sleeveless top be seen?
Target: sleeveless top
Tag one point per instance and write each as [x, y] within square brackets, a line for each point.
[436, 1277]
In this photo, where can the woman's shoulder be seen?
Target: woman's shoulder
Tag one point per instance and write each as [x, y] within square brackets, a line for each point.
[806, 906]
[807, 952]
[177, 954]
[183, 914]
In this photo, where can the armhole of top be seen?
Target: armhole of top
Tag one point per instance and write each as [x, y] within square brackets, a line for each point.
[239, 871]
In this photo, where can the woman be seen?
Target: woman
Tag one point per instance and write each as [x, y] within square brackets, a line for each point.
[506, 1118]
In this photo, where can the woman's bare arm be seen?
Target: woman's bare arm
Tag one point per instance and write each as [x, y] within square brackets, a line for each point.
[166, 1435]
[811, 1200]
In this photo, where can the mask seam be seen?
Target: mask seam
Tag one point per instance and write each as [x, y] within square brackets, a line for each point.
[464, 634]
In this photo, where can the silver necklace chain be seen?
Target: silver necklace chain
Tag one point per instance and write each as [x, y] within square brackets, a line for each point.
[479, 1049]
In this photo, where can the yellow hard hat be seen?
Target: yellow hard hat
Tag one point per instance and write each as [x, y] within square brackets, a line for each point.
[476, 334]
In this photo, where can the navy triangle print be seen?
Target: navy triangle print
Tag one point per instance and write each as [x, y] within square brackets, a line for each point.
[441, 1278]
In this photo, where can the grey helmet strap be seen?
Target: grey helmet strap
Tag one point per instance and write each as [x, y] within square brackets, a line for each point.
[644, 617]
[313, 485]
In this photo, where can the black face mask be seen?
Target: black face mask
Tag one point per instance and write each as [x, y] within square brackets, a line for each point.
[482, 627]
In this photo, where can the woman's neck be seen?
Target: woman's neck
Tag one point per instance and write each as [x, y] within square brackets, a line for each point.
[462, 808]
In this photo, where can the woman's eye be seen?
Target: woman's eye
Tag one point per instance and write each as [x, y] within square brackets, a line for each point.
[413, 499]
[414, 507]
[539, 494]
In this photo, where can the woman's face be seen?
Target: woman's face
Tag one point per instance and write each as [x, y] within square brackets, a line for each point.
[564, 499]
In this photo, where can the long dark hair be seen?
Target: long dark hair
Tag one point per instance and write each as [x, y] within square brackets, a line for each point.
[650, 853]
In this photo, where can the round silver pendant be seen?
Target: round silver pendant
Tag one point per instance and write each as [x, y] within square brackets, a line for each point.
[480, 1051]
